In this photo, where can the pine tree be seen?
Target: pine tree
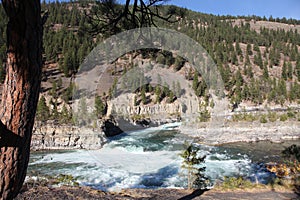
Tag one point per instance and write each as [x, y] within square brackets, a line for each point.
[100, 107]
[158, 93]
[297, 70]
[234, 59]
[256, 47]
[135, 101]
[193, 163]
[42, 113]
[161, 59]
[171, 97]
[290, 71]
[265, 72]
[247, 61]
[53, 90]
[65, 116]
[239, 78]
[195, 81]
[249, 49]
[283, 72]
[143, 95]
[238, 49]
[258, 59]
[179, 62]
[54, 110]
[281, 90]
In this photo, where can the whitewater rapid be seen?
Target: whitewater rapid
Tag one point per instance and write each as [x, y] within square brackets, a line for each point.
[141, 159]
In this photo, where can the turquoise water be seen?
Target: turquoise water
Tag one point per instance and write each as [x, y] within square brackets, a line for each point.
[150, 159]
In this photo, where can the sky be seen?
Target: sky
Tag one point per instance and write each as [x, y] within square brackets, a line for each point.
[276, 8]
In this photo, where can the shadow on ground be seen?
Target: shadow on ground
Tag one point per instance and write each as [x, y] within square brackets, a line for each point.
[193, 195]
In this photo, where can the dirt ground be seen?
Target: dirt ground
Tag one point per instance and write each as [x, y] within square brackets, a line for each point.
[80, 193]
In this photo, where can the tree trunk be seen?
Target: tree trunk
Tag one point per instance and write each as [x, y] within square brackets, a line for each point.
[20, 92]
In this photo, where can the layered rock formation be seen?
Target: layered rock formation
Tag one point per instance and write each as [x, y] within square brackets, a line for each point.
[53, 136]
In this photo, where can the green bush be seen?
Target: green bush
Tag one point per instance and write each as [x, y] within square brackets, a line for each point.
[291, 114]
[64, 179]
[236, 183]
[263, 119]
[248, 117]
[272, 116]
[283, 117]
[204, 115]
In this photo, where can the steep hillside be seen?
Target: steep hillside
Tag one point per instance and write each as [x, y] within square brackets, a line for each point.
[258, 58]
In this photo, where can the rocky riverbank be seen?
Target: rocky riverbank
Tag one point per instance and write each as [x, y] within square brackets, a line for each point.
[232, 132]
[53, 136]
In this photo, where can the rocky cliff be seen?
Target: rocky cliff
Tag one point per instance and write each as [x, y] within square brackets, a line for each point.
[53, 136]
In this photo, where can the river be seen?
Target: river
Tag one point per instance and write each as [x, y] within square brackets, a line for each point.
[150, 159]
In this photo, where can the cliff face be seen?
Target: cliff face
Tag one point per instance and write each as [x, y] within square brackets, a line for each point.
[51, 136]
[121, 116]
[124, 108]
[153, 112]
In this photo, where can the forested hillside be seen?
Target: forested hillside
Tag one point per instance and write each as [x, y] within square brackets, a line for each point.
[259, 58]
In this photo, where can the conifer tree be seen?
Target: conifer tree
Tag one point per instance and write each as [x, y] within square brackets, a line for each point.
[100, 107]
[283, 72]
[195, 81]
[298, 68]
[193, 163]
[42, 113]
[143, 95]
[65, 116]
[249, 49]
[265, 72]
[290, 71]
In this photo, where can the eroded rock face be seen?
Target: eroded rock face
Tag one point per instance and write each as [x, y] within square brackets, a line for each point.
[158, 113]
[51, 136]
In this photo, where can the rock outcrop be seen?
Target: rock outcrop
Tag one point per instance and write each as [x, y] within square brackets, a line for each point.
[52, 136]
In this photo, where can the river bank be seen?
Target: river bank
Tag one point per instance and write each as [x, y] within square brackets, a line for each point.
[51, 136]
[232, 132]
[147, 159]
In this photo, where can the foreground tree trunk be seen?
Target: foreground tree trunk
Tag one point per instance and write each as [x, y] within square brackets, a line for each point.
[20, 92]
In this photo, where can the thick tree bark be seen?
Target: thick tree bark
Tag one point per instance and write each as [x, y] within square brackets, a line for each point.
[20, 92]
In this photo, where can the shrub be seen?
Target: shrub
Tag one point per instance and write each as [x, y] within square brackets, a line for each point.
[64, 179]
[234, 183]
[272, 116]
[248, 117]
[291, 114]
[263, 119]
[283, 117]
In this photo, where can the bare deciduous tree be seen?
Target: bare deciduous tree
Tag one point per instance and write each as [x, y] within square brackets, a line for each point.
[109, 17]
